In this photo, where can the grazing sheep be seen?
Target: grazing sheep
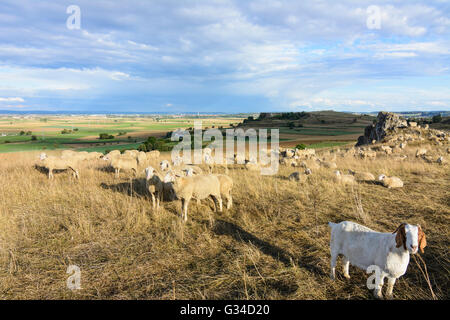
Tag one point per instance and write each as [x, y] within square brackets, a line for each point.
[154, 186]
[344, 178]
[298, 176]
[54, 163]
[421, 152]
[364, 247]
[390, 182]
[327, 164]
[122, 162]
[131, 153]
[112, 154]
[226, 185]
[362, 176]
[198, 187]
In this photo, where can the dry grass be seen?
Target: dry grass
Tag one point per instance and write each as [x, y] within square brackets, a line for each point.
[273, 244]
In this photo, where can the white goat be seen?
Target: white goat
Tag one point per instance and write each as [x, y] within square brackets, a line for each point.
[364, 247]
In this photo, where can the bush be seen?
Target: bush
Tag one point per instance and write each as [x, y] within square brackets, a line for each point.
[66, 131]
[7, 141]
[33, 138]
[103, 136]
[301, 146]
[22, 133]
[28, 133]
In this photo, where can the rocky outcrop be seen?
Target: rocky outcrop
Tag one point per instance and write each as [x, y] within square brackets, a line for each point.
[386, 123]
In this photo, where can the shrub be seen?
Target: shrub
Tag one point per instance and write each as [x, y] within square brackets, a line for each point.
[22, 133]
[33, 138]
[28, 133]
[66, 131]
[301, 146]
[103, 136]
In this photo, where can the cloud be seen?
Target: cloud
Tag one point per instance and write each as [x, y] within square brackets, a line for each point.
[11, 99]
[225, 54]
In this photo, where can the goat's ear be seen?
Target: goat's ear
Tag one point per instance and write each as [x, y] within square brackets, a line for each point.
[400, 238]
[422, 239]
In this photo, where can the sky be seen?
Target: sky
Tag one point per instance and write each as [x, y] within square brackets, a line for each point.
[225, 56]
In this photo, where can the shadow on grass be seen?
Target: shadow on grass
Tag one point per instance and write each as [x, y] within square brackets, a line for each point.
[137, 187]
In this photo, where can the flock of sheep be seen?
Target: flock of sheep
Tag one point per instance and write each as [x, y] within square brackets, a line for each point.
[359, 245]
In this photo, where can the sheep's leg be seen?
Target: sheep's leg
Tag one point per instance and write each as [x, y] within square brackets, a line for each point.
[390, 288]
[345, 267]
[220, 204]
[229, 201]
[184, 206]
[333, 265]
[117, 172]
[377, 292]
[153, 201]
[50, 173]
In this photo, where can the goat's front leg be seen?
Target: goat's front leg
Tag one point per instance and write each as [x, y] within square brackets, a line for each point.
[390, 288]
[345, 267]
[377, 291]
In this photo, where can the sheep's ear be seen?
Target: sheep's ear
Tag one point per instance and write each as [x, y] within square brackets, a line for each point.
[422, 239]
[400, 238]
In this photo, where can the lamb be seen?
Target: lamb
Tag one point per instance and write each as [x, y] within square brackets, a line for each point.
[154, 186]
[390, 182]
[54, 163]
[344, 178]
[363, 247]
[199, 187]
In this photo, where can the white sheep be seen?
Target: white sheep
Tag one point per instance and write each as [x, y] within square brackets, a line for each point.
[122, 162]
[199, 187]
[153, 155]
[226, 185]
[344, 178]
[54, 163]
[421, 152]
[390, 182]
[362, 176]
[154, 185]
[164, 165]
[363, 247]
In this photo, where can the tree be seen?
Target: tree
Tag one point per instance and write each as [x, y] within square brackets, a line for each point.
[437, 118]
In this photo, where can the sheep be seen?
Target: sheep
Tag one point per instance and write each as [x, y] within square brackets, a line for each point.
[441, 160]
[297, 176]
[153, 155]
[344, 178]
[164, 165]
[112, 154]
[54, 163]
[421, 152]
[226, 184]
[198, 187]
[363, 247]
[362, 176]
[131, 153]
[390, 182]
[124, 162]
[141, 158]
[327, 164]
[154, 186]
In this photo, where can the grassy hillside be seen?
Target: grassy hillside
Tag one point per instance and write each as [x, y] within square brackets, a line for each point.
[273, 243]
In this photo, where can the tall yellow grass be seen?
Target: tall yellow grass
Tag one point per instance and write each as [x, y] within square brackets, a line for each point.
[273, 244]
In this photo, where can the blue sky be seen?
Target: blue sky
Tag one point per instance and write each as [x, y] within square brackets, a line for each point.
[224, 56]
